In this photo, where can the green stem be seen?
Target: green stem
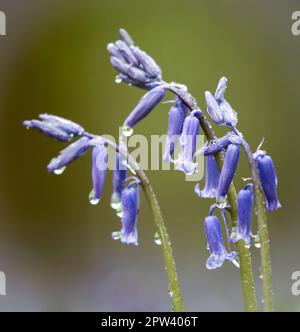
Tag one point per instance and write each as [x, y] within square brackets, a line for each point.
[246, 270]
[266, 267]
[169, 261]
[174, 287]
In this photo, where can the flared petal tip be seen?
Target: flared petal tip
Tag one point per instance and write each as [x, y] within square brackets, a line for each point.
[129, 239]
[273, 206]
[205, 193]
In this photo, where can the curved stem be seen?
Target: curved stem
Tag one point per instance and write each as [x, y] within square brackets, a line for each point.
[246, 271]
[169, 261]
[266, 267]
[174, 287]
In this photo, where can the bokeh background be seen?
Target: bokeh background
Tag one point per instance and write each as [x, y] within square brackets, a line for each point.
[55, 248]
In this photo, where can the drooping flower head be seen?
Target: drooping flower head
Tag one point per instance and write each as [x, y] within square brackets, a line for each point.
[245, 205]
[177, 114]
[212, 177]
[145, 106]
[135, 66]
[69, 154]
[130, 203]
[268, 179]
[218, 253]
[63, 124]
[99, 170]
[188, 143]
[119, 178]
[55, 127]
[228, 170]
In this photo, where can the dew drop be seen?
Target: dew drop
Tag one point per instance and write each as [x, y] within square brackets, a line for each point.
[236, 262]
[59, 171]
[157, 239]
[118, 80]
[92, 198]
[247, 246]
[116, 205]
[171, 293]
[127, 131]
[261, 276]
[257, 242]
[257, 245]
[115, 202]
[119, 212]
[116, 235]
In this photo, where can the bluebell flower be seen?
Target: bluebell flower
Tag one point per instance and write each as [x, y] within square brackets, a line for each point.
[268, 179]
[228, 170]
[212, 177]
[177, 114]
[130, 203]
[148, 63]
[135, 66]
[213, 108]
[115, 52]
[188, 143]
[218, 253]
[49, 129]
[128, 70]
[145, 106]
[127, 53]
[99, 170]
[221, 89]
[124, 35]
[119, 178]
[63, 124]
[245, 205]
[69, 154]
[221, 144]
[218, 108]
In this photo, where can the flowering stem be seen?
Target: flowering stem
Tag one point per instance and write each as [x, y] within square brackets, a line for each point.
[169, 261]
[246, 271]
[266, 267]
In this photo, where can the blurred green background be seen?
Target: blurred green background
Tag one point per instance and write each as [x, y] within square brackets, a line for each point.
[55, 248]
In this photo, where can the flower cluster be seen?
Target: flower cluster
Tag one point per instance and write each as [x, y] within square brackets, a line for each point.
[125, 199]
[135, 67]
[183, 128]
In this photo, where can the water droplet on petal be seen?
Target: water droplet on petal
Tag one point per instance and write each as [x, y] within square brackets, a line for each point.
[116, 235]
[118, 80]
[127, 131]
[119, 212]
[92, 198]
[157, 239]
[115, 202]
[59, 171]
